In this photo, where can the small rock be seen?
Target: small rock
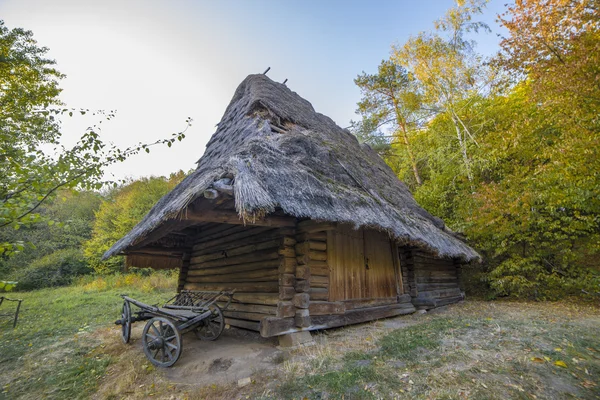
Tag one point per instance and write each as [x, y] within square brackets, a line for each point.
[244, 382]
[421, 311]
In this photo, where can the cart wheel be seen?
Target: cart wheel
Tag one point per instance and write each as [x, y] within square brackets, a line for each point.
[126, 322]
[162, 342]
[212, 327]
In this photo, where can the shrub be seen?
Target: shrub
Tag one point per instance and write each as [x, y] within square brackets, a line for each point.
[140, 279]
[56, 269]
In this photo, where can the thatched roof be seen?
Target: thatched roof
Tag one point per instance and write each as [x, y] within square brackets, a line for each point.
[283, 155]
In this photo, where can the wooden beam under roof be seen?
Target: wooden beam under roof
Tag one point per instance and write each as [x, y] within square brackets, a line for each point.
[231, 217]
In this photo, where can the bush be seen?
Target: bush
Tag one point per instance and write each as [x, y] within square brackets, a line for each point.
[144, 279]
[56, 269]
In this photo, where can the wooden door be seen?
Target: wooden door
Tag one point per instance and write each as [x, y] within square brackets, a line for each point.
[346, 258]
[379, 265]
[361, 264]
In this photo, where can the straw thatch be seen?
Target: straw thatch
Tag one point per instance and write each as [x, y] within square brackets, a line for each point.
[283, 155]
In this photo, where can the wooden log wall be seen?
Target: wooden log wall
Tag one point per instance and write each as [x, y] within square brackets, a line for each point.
[436, 280]
[185, 266]
[255, 261]
[407, 265]
[312, 272]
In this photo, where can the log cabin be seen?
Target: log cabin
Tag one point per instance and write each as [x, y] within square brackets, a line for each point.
[311, 228]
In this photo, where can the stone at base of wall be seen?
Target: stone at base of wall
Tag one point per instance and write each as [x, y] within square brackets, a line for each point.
[295, 339]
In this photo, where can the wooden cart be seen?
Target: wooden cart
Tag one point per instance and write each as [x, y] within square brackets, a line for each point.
[187, 311]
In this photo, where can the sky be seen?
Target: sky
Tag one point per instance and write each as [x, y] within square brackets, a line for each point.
[158, 62]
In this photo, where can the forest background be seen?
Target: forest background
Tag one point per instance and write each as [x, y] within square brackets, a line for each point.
[504, 149]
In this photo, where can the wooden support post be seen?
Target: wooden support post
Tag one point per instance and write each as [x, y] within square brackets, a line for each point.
[183, 271]
[287, 277]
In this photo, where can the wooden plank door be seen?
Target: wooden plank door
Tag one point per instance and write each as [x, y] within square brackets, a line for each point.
[346, 259]
[379, 266]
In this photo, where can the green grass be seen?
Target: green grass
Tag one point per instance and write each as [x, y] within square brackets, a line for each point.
[53, 353]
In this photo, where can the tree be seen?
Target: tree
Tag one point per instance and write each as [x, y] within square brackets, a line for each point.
[119, 213]
[33, 162]
[448, 70]
[390, 99]
[555, 44]
[51, 242]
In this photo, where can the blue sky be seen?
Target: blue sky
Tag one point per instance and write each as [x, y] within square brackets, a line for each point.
[158, 62]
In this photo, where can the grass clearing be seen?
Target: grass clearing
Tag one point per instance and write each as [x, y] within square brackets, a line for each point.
[52, 353]
[487, 350]
[65, 346]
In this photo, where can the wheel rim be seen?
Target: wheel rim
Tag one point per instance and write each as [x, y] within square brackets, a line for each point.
[162, 342]
[126, 322]
[212, 327]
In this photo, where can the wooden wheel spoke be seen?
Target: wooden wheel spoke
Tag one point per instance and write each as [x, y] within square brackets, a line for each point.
[151, 336]
[168, 339]
[171, 345]
[155, 330]
[155, 354]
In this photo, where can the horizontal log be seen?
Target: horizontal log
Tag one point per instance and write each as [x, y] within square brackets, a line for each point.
[287, 252]
[405, 298]
[319, 281]
[240, 323]
[358, 316]
[224, 242]
[427, 287]
[263, 275]
[305, 247]
[302, 318]
[285, 309]
[319, 294]
[286, 292]
[303, 272]
[288, 241]
[217, 231]
[256, 298]
[228, 217]
[316, 236]
[425, 280]
[367, 303]
[287, 280]
[319, 270]
[258, 265]
[326, 308]
[287, 265]
[302, 285]
[252, 308]
[250, 248]
[440, 293]
[449, 300]
[424, 302]
[161, 251]
[311, 256]
[263, 255]
[301, 300]
[310, 226]
[247, 287]
[273, 326]
[244, 315]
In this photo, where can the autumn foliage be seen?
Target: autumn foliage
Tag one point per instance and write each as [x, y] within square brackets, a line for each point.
[510, 153]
